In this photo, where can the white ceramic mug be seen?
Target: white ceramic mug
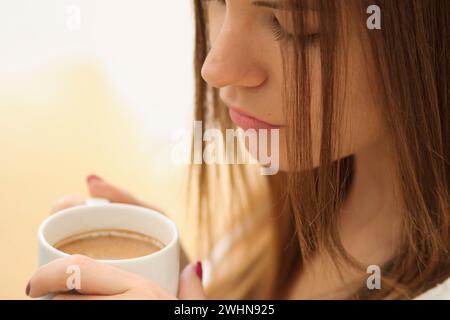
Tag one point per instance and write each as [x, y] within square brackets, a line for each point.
[162, 267]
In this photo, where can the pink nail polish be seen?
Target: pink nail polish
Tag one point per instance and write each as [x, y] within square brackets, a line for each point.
[199, 269]
[93, 177]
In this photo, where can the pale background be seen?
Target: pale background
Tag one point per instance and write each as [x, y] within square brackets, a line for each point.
[86, 86]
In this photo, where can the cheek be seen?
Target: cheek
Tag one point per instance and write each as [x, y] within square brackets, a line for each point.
[316, 109]
[359, 116]
[363, 123]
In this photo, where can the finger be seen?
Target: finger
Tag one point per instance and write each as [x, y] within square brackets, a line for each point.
[66, 202]
[83, 274]
[143, 292]
[190, 285]
[99, 188]
[128, 295]
[65, 296]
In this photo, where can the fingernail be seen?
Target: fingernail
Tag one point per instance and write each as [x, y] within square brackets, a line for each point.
[199, 269]
[27, 290]
[93, 177]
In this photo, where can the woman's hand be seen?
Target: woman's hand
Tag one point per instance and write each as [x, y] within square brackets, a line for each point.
[99, 188]
[99, 281]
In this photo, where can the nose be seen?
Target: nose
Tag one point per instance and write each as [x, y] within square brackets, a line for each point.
[232, 60]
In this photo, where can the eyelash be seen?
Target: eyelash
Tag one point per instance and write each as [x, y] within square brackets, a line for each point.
[279, 33]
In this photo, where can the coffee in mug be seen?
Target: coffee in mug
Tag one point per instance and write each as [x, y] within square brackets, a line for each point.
[113, 244]
[136, 239]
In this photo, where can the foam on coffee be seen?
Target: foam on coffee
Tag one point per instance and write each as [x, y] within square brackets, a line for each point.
[110, 244]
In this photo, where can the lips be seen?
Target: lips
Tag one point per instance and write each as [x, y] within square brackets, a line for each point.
[248, 122]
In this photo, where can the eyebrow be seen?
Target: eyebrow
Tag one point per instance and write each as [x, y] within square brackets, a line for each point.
[280, 5]
[271, 4]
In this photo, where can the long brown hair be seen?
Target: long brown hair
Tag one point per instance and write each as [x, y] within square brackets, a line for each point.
[412, 56]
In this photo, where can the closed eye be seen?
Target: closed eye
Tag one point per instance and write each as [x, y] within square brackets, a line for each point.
[279, 32]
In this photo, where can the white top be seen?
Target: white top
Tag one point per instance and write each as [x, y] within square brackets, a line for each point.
[440, 292]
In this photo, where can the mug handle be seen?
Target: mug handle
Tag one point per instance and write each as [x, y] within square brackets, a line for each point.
[96, 202]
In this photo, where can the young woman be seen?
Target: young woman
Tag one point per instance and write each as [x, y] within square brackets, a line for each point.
[364, 122]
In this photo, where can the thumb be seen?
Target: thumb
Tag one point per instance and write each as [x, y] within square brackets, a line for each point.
[190, 286]
[99, 188]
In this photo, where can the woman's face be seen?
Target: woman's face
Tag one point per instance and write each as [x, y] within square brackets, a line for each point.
[245, 64]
